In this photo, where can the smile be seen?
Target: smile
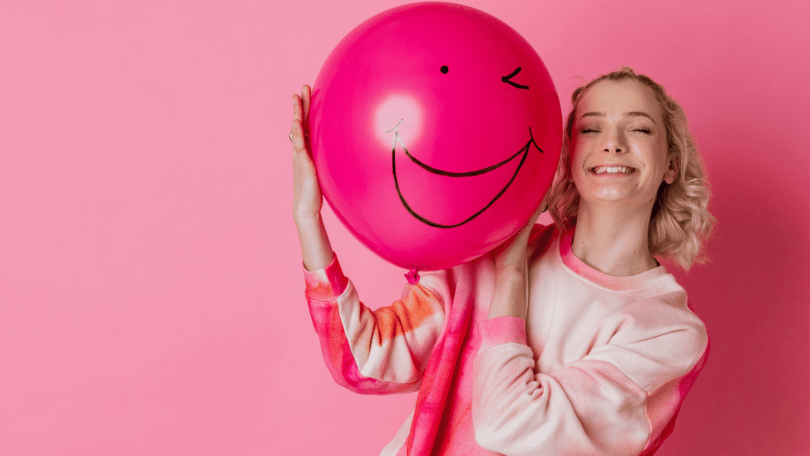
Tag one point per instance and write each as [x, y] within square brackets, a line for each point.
[523, 153]
[612, 170]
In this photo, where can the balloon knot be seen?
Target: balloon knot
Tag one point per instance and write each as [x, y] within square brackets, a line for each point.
[412, 276]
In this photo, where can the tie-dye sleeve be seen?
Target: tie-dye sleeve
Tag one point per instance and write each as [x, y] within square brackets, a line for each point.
[375, 351]
[619, 400]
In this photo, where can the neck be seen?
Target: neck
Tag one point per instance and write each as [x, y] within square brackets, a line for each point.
[613, 239]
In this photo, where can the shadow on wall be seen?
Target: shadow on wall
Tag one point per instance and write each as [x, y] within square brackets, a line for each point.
[752, 397]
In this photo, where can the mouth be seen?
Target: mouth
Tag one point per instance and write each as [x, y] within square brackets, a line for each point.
[523, 153]
[612, 170]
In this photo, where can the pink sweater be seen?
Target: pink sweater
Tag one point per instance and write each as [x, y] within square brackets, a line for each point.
[600, 366]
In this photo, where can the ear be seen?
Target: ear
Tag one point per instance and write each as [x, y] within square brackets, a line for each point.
[672, 172]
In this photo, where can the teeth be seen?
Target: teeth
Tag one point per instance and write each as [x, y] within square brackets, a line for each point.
[612, 170]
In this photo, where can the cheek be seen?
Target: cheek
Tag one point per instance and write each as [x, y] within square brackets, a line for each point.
[576, 153]
[656, 152]
[576, 169]
[663, 160]
[661, 147]
[574, 163]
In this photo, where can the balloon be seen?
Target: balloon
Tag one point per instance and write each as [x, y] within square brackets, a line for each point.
[435, 131]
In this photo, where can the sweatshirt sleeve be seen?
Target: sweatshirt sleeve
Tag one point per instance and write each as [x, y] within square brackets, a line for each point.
[375, 351]
[620, 399]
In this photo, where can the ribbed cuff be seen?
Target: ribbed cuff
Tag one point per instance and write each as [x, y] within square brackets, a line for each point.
[325, 284]
[502, 330]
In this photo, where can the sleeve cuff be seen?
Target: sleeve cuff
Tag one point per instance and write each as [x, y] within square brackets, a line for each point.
[327, 283]
[502, 330]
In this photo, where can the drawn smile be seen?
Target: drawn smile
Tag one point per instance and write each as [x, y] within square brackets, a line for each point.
[523, 153]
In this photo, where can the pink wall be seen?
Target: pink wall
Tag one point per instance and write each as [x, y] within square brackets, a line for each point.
[150, 296]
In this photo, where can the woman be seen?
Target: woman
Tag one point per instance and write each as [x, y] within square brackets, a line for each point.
[569, 339]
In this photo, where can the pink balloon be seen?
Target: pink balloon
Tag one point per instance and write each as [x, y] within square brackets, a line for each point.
[435, 131]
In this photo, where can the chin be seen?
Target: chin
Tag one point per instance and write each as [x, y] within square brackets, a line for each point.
[607, 195]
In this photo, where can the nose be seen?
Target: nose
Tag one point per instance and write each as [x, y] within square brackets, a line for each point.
[614, 143]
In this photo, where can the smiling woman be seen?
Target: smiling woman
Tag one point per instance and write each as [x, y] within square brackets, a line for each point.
[568, 339]
[627, 120]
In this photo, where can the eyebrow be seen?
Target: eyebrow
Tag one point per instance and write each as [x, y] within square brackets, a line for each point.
[629, 114]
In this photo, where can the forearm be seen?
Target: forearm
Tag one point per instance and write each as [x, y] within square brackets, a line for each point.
[316, 249]
[375, 351]
[307, 198]
[509, 297]
[582, 408]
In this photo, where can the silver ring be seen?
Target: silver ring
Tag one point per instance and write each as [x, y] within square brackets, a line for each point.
[291, 140]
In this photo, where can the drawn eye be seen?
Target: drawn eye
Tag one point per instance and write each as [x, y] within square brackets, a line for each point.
[508, 79]
[444, 69]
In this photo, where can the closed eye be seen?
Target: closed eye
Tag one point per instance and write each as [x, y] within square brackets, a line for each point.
[508, 79]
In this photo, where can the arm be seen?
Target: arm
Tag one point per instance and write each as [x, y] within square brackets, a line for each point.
[307, 198]
[620, 399]
[376, 351]
[509, 298]
[380, 351]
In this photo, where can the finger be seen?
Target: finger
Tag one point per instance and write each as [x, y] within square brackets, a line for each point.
[533, 218]
[540, 209]
[297, 129]
[526, 230]
[530, 225]
[544, 203]
[297, 115]
[306, 95]
[299, 145]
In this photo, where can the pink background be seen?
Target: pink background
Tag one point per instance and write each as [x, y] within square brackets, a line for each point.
[151, 301]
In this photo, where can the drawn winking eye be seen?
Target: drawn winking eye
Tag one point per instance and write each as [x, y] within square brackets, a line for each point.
[508, 79]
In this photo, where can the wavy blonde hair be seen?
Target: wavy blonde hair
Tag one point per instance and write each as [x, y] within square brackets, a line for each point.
[680, 221]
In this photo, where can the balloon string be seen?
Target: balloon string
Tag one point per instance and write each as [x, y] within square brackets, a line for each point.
[412, 276]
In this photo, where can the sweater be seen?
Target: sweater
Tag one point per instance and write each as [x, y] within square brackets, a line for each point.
[600, 365]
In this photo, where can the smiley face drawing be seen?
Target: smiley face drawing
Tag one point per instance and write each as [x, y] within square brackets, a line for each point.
[520, 155]
[435, 130]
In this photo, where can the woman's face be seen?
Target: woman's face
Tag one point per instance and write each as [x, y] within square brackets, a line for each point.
[619, 145]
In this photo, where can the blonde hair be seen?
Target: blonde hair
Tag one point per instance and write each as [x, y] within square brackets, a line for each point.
[680, 221]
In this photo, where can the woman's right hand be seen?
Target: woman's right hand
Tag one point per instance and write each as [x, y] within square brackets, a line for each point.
[511, 268]
[307, 198]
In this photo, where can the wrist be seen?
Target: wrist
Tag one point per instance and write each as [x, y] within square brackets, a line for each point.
[509, 296]
[316, 249]
[510, 274]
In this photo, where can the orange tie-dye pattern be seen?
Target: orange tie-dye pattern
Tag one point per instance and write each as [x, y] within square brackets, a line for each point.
[406, 314]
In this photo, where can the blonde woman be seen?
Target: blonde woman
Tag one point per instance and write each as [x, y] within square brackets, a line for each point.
[570, 339]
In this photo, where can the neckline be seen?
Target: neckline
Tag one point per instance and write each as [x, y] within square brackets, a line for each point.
[583, 270]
